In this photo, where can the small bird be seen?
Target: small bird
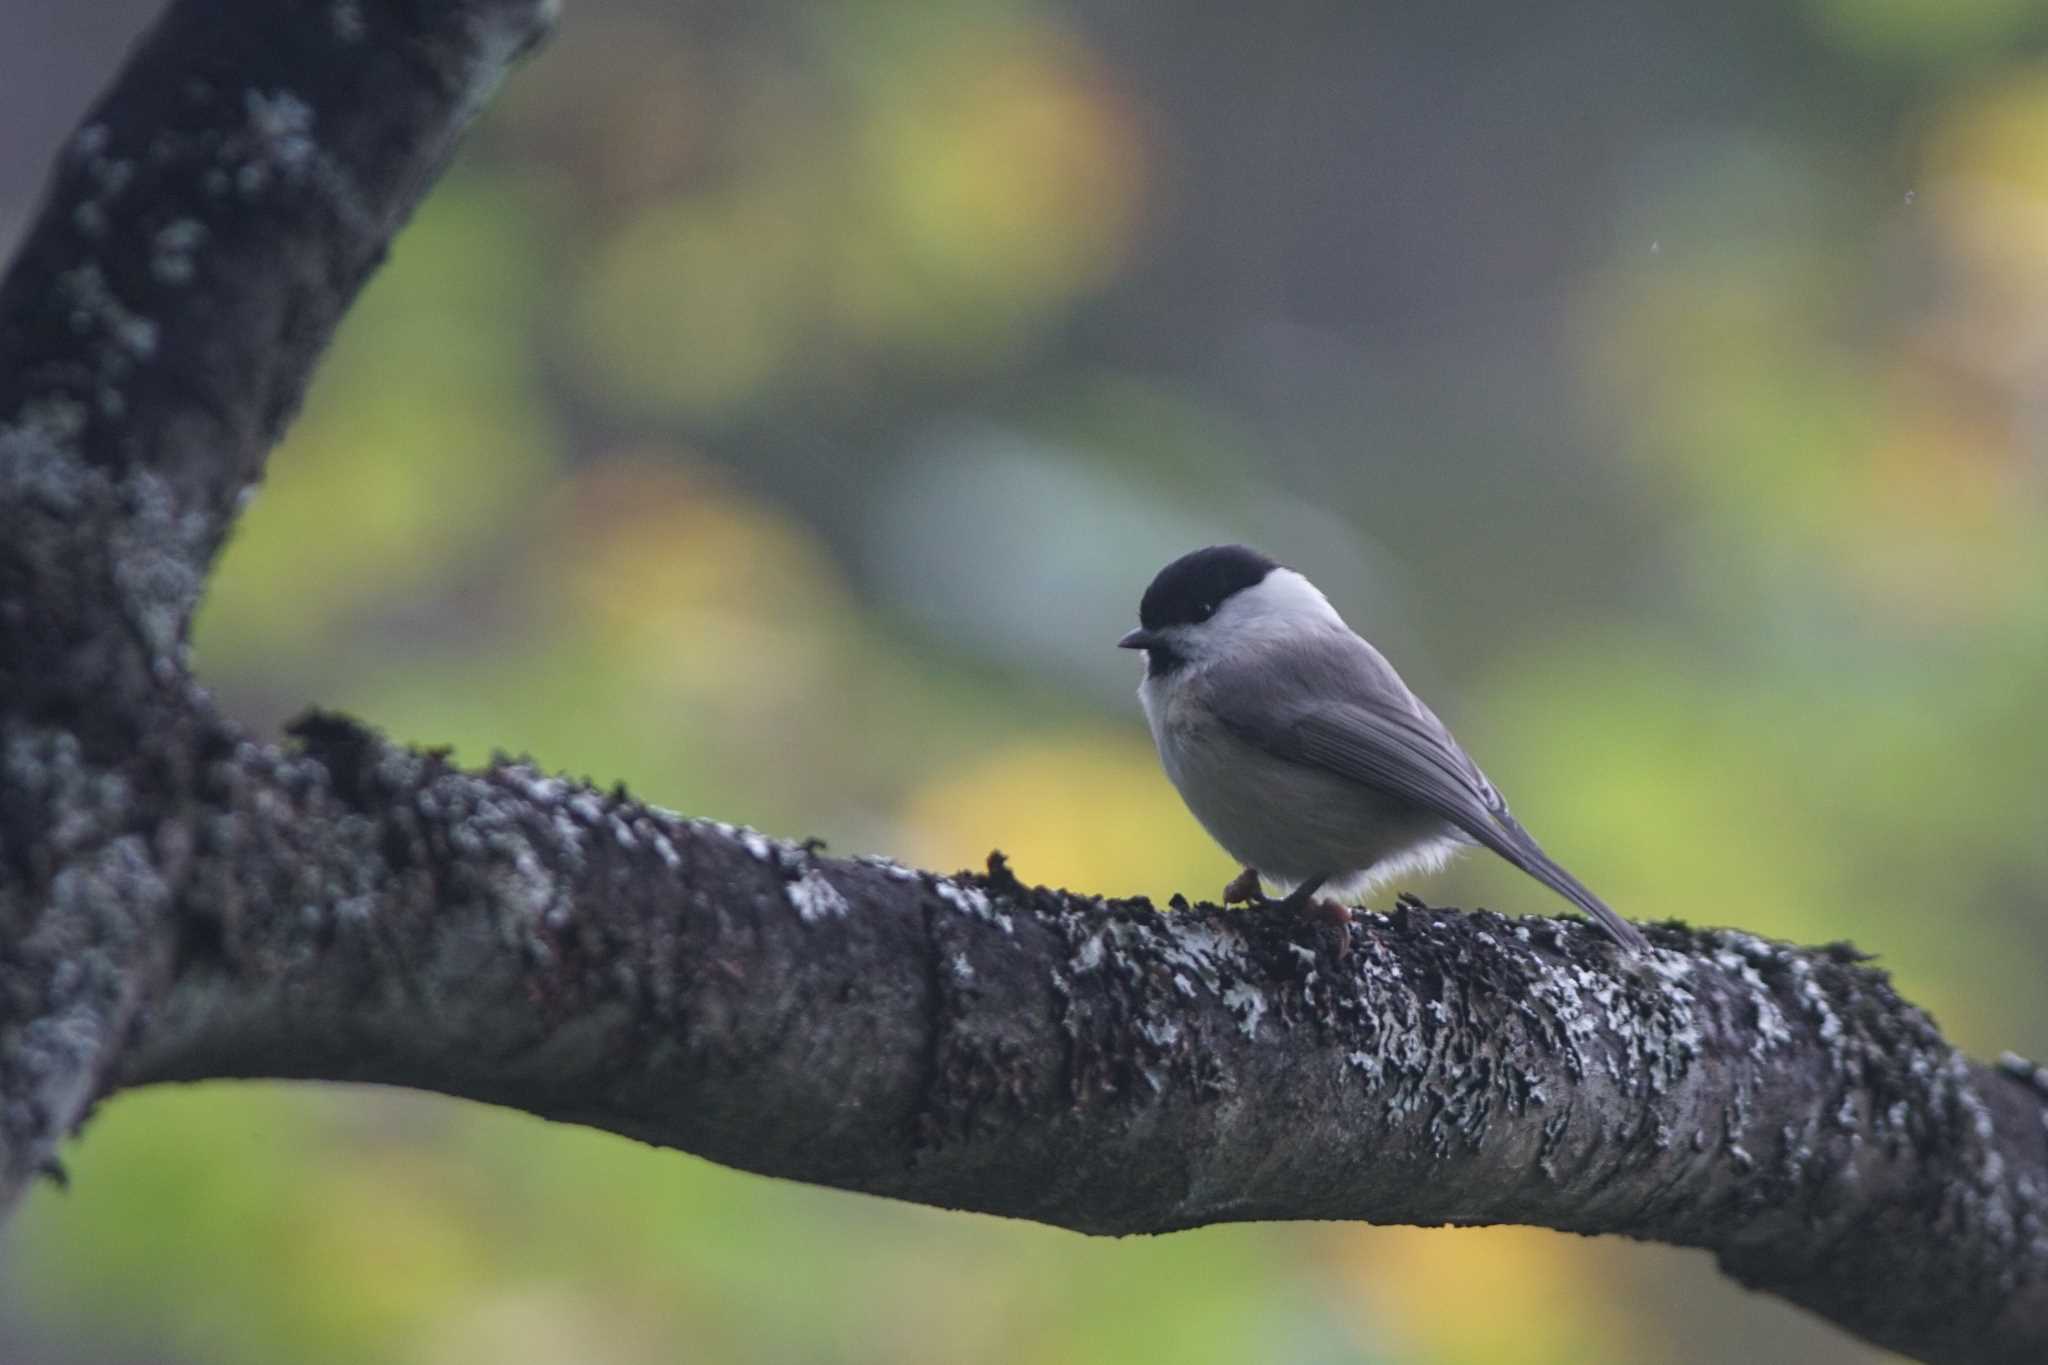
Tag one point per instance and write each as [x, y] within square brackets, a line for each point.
[1300, 749]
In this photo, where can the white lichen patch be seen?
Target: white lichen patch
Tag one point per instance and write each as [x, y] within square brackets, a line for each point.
[2023, 1069]
[37, 463]
[345, 20]
[58, 1055]
[1673, 967]
[95, 309]
[527, 891]
[159, 550]
[1816, 1001]
[497, 35]
[281, 129]
[758, 846]
[1162, 1033]
[1201, 950]
[355, 912]
[274, 147]
[815, 898]
[535, 784]
[109, 176]
[119, 337]
[1248, 1003]
[1772, 1030]
[889, 867]
[971, 900]
[666, 851]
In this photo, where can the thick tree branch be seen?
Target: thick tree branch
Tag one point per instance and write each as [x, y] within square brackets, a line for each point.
[177, 901]
[205, 229]
[975, 1043]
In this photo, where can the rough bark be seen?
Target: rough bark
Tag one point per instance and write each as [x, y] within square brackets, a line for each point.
[204, 231]
[178, 900]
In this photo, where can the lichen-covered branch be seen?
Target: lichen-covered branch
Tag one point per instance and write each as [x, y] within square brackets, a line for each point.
[179, 901]
[204, 231]
[375, 914]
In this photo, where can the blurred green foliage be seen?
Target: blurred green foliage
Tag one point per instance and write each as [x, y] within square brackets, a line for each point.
[735, 422]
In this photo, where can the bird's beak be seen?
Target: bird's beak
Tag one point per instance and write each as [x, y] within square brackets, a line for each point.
[1140, 638]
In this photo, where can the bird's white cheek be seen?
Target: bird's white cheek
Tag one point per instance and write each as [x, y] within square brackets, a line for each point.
[1152, 696]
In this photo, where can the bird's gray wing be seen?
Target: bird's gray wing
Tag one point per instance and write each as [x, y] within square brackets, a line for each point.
[1332, 701]
[1339, 706]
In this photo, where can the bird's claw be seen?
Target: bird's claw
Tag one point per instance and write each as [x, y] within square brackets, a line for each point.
[1328, 911]
[1334, 916]
[1244, 889]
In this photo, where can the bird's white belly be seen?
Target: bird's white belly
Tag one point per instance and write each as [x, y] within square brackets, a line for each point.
[1291, 821]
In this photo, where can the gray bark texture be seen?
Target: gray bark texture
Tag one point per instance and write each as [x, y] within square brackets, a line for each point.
[179, 900]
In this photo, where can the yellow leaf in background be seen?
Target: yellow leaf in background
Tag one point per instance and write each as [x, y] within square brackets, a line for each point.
[544, 1325]
[384, 1249]
[689, 581]
[1013, 163]
[1993, 132]
[1537, 1288]
[1938, 531]
[1089, 811]
[1980, 347]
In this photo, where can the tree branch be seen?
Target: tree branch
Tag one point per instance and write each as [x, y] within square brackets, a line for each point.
[971, 1042]
[177, 901]
[204, 231]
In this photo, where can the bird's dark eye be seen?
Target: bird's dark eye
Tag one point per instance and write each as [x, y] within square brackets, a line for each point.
[1204, 610]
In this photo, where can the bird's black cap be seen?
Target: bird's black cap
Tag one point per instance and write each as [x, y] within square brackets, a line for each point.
[1193, 586]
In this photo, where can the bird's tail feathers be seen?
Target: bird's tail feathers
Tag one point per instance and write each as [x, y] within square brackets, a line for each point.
[1519, 847]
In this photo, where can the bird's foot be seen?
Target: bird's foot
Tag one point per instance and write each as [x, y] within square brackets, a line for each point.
[1328, 911]
[1244, 889]
[1320, 911]
[1301, 896]
[1335, 917]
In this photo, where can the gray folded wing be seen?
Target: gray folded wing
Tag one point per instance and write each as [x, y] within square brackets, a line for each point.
[1339, 706]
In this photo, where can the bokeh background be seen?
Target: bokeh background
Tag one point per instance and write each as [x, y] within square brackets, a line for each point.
[779, 407]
